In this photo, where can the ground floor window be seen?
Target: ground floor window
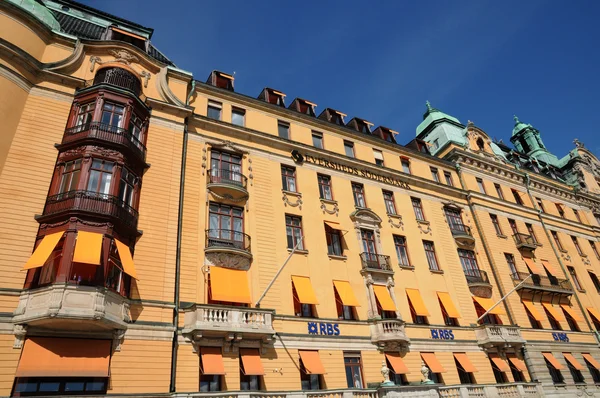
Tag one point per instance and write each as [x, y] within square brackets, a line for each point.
[499, 375]
[575, 373]
[464, 376]
[309, 381]
[44, 386]
[557, 377]
[249, 382]
[353, 365]
[210, 383]
[517, 374]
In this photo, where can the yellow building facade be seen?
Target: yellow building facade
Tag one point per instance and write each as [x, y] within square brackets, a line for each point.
[166, 236]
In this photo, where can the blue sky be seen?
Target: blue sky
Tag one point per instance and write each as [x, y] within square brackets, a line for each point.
[381, 60]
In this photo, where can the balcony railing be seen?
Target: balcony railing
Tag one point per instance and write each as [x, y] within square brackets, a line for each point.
[229, 177]
[385, 331]
[476, 276]
[119, 77]
[375, 261]
[227, 239]
[524, 241]
[107, 133]
[542, 282]
[498, 334]
[92, 202]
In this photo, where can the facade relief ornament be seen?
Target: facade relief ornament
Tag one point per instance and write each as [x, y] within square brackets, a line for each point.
[286, 199]
[145, 76]
[227, 260]
[334, 210]
[20, 331]
[395, 220]
[123, 56]
[424, 227]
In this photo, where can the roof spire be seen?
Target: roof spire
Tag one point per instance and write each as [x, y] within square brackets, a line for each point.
[428, 105]
[516, 120]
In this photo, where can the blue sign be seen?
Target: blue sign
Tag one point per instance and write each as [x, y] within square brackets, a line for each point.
[442, 334]
[560, 337]
[328, 329]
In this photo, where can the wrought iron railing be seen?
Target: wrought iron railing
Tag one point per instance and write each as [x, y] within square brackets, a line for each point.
[119, 77]
[227, 176]
[524, 240]
[227, 238]
[541, 281]
[476, 276]
[105, 132]
[375, 261]
[460, 230]
[93, 202]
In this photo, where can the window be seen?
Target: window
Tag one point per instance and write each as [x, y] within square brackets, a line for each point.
[464, 376]
[489, 319]
[531, 232]
[369, 246]
[288, 178]
[595, 280]
[127, 186]
[594, 249]
[540, 204]
[574, 277]
[136, 126]
[577, 216]
[454, 219]
[112, 115]
[557, 241]
[325, 191]
[214, 110]
[293, 227]
[390, 205]
[535, 324]
[418, 209]
[358, 191]
[398, 379]
[448, 178]
[448, 321]
[353, 366]
[517, 374]
[469, 263]
[226, 225]
[571, 321]
[344, 311]
[481, 186]
[499, 375]
[510, 260]
[249, 382]
[434, 174]
[238, 116]
[317, 140]
[513, 226]
[575, 373]
[36, 386]
[283, 130]
[577, 247]
[435, 144]
[334, 241]
[401, 250]
[100, 176]
[517, 196]
[309, 381]
[561, 211]
[592, 369]
[499, 191]
[85, 114]
[496, 224]
[406, 169]
[70, 176]
[597, 217]
[301, 309]
[378, 155]
[553, 321]
[556, 375]
[349, 149]
[430, 254]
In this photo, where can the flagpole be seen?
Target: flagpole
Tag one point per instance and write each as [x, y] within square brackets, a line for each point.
[502, 299]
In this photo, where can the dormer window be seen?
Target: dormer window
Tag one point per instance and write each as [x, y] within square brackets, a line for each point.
[119, 34]
[479, 143]
[333, 116]
[360, 125]
[385, 134]
[220, 80]
[303, 106]
[272, 97]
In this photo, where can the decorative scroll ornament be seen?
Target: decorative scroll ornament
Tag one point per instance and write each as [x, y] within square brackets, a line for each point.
[118, 337]
[335, 210]
[586, 261]
[203, 159]
[123, 56]
[227, 260]
[287, 201]
[424, 227]
[146, 76]
[250, 175]
[398, 224]
[20, 331]
[566, 257]
[228, 197]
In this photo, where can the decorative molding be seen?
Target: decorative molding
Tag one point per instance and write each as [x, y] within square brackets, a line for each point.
[227, 260]
[20, 331]
[335, 210]
[287, 201]
[424, 227]
[123, 56]
[228, 197]
[398, 218]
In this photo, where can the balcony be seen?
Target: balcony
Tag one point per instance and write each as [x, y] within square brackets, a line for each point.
[229, 323]
[225, 246]
[525, 242]
[72, 307]
[479, 283]
[119, 77]
[542, 283]
[227, 183]
[95, 132]
[376, 262]
[90, 203]
[462, 234]
[500, 336]
[389, 334]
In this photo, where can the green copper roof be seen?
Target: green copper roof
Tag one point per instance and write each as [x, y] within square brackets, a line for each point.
[432, 115]
[519, 126]
[39, 11]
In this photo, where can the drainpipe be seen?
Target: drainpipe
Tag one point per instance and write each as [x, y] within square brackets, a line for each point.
[178, 257]
[555, 250]
[485, 248]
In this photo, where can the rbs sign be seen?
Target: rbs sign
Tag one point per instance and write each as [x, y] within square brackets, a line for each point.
[443, 334]
[329, 329]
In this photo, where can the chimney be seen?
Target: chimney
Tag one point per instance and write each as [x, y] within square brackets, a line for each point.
[220, 80]
[333, 116]
[272, 97]
[303, 106]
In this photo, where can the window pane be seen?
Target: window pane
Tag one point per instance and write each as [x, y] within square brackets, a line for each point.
[49, 386]
[237, 117]
[74, 386]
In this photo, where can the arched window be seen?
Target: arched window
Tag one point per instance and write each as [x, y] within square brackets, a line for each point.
[479, 143]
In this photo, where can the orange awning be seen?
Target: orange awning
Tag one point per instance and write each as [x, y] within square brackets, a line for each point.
[128, 33]
[591, 360]
[126, 259]
[306, 294]
[432, 362]
[571, 311]
[397, 363]
[533, 267]
[448, 305]
[346, 293]
[550, 268]
[332, 224]
[56, 357]
[43, 250]
[518, 363]
[465, 362]
[487, 303]
[312, 362]
[229, 285]
[533, 311]
[212, 361]
[500, 363]
[88, 248]
[251, 363]
[553, 361]
[574, 362]
[594, 312]
[417, 302]
[554, 312]
[384, 298]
